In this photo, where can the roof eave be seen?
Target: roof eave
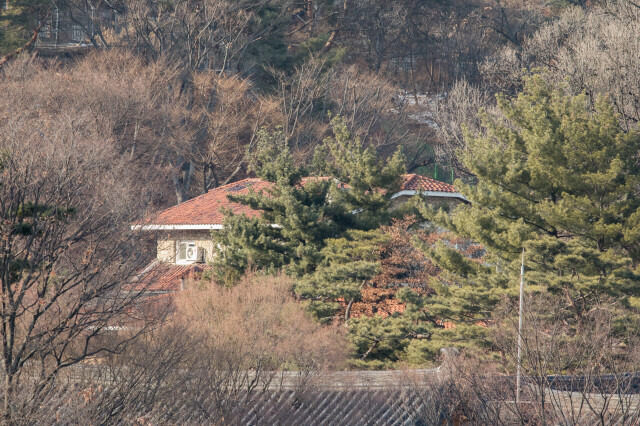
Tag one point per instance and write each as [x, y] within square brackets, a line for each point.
[180, 227]
[217, 226]
[412, 192]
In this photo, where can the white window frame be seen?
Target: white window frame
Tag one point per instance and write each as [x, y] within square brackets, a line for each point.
[77, 33]
[189, 244]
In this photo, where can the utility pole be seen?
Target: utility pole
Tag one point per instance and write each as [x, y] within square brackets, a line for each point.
[520, 330]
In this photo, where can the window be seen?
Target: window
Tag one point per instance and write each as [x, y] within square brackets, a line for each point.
[45, 31]
[187, 252]
[77, 33]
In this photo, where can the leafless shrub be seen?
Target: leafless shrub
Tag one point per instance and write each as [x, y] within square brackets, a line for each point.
[66, 249]
[222, 347]
[575, 372]
[464, 390]
[260, 318]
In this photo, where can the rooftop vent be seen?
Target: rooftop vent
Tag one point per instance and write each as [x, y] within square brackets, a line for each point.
[238, 187]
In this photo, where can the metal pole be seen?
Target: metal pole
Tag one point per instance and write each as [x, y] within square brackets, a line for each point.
[57, 25]
[520, 330]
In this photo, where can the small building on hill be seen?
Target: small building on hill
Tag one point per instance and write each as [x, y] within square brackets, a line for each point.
[77, 27]
[183, 232]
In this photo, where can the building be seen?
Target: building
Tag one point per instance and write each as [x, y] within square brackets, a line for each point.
[183, 232]
[70, 27]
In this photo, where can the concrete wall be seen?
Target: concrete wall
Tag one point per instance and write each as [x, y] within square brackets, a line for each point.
[167, 244]
[166, 251]
[446, 202]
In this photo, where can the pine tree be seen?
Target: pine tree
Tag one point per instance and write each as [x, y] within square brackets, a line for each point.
[416, 335]
[370, 181]
[348, 263]
[559, 180]
[310, 227]
[292, 228]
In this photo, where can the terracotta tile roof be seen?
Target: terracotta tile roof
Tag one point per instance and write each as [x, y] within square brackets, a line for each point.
[167, 277]
[206, 209]
[416, 182]
[377, 301]
[150, 308]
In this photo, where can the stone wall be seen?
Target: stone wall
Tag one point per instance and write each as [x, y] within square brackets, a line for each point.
[167, 244]
[166, 251]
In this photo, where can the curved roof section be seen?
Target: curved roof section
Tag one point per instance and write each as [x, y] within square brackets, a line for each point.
[205, 211]
[413, 182]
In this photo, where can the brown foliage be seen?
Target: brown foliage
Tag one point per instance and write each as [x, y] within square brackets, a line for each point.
[220, 346]
[402, 265]
[66, 248]
[259, 318]
[401, 261]
[174, 129]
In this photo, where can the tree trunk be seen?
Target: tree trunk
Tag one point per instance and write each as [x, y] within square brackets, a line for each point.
[310, 15]
[182, 181]
[366, 354]
[347, 312]
[19, 50]
[210, 178]
[332, 38]
[7, 392]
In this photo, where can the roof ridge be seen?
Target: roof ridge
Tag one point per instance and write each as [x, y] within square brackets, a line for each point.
[204, 210]
[190, 200]
[411, 176]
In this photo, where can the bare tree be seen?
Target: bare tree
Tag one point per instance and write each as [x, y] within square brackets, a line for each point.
[66, 254]
[306, 99]
[222, 347]
[201, 34]
[452, 113]
[591, 49]
[184, 133]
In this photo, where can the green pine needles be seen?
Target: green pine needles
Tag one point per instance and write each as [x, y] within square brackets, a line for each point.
[552, 174]
[321, 229]
[559, 179]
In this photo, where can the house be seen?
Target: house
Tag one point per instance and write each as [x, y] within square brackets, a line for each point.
[183, 232]
[73, 27]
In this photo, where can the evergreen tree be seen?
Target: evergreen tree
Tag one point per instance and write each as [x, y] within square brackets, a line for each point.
[378, 342]
[559, 180]
[414, 336]
[18, 20]
[292, 228]
[348, 263]
[431, 319]
[371, 182]
[308, 226]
